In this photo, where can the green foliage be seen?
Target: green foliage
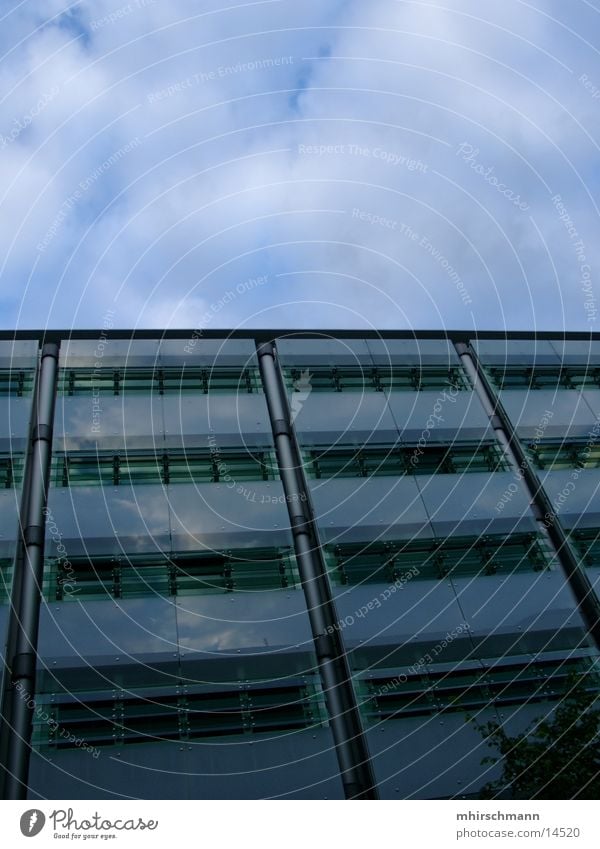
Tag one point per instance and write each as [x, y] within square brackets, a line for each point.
[557, 757]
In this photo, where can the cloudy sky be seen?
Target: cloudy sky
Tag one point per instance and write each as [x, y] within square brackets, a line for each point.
[326, 163]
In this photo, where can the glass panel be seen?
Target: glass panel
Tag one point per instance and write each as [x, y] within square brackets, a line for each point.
[222, 625]
[103, 353]
[323, 352]
[19, 354]
[472, 504]
[105, 422]
[349, 510]
[520, 613]
[14, 423]
[217, 421]
[234, 515]
[547, 414]
[10, 504]
[571, 352]
[110, 632]
[351, 418]
[420, 352]
[444, 416]
[194, 352]
[107, 520]
[574, 496]
[515, 351]
[11, 471]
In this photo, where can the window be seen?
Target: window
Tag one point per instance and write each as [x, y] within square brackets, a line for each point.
[574, 454]
[189, 713]
[587, 543]
[85, 381]
[432, 559]
[11, 471]
[426, 691]
[105, 468]
[377, 379]
[404, 460]
[16, 382]
[544, 377]
[254, 570]
[6, 565]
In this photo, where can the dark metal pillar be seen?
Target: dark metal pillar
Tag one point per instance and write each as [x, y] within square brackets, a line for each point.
[27, 585]
[351, 746]
[547, 520]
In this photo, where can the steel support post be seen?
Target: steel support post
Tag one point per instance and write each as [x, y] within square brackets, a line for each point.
[350, 743]
[25, 604]
[547, 520]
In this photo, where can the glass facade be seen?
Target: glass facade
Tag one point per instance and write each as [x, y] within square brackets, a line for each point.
[177, 656]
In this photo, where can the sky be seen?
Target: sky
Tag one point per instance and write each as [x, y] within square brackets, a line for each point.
[388, 164]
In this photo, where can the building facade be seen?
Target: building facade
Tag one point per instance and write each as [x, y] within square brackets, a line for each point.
[290, 564]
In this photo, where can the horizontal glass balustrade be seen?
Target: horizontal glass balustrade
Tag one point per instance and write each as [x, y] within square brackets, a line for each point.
[374, 378]
[195, 465]
[184, 713]
[160, 381]
[431, 459]
[544, 377]
[427, 691]
[252, 570]
[564, 454]
[434, 558]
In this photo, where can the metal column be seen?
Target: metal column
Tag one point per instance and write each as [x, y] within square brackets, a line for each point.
[547, 520]
[27, 585]
[351, 747]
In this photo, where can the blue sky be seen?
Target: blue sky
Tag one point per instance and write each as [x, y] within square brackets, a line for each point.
[354, 163]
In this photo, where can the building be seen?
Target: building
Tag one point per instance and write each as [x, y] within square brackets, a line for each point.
[290, 564]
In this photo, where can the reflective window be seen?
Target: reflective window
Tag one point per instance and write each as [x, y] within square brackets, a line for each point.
[374, 378]
[378, 461]
[106, 468]
[425, 690]
[159, 380]
[437, 558]
[16, 382]
[11, 470]
[544, 377]
[250, 571]
[561, 454]
[101, 719]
